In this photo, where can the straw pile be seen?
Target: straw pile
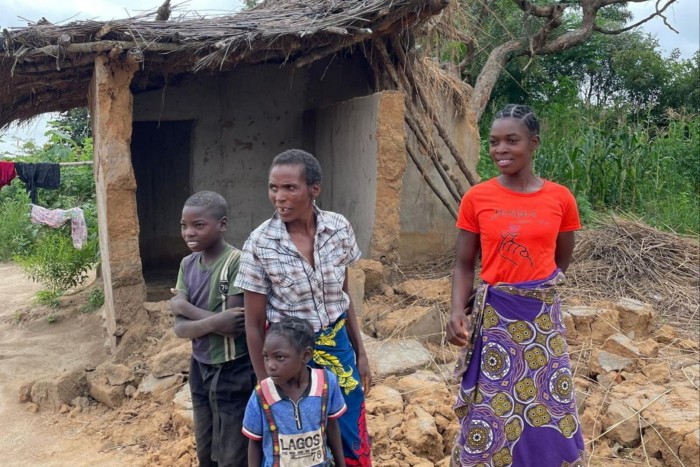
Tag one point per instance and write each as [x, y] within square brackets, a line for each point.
[625, 257]
[620, 258]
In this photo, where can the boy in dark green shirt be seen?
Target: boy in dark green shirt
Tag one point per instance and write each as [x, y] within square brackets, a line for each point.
[208, 310]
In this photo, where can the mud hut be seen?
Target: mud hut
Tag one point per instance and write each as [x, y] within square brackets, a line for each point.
[198, 103]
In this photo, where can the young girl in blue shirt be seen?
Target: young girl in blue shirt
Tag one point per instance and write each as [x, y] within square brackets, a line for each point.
[292, 416]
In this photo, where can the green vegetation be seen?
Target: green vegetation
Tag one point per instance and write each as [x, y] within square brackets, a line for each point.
[47, 255]
[620, 123]
[95, 300]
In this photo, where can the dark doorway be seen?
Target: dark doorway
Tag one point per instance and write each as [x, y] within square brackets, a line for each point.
[160, 153]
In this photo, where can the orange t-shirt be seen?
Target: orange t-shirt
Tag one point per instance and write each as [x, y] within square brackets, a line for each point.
[518, 231]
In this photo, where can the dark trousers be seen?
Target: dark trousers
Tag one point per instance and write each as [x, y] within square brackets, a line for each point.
[220, 394]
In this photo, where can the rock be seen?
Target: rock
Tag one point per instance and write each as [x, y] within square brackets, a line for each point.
[625, 422]
[388, 291]
[688, 344]
[183, 398]
[129, 390]
[116, 374]
[635, 317]
[183, 418]
[596, 324]
[657, 373]
[152, 385]
[173, 361]
[569, 326]
[621, 345]
[374, 276]
[383, 400]
[604, 362]
[158, 307]
[591, 426]
[418, 385]
[81, 401]
[649, 348]
[688, 451]
[356, 289]
[422, 437]
[102, 391]
[64, 409]
[666, 334]
[674, 417]
[421, 322]
[32, 407]
[426, 289]
[25, 392]
[52, 393]
[395, 357]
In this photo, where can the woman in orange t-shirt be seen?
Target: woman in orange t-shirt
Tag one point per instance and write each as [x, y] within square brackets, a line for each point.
[516, 400]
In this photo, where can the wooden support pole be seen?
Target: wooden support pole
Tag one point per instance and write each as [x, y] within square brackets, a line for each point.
[442, 131]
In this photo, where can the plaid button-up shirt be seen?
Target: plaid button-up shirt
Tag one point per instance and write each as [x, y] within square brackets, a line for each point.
[272, 265]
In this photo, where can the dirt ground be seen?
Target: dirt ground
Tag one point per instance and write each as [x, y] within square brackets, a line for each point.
[31, 348]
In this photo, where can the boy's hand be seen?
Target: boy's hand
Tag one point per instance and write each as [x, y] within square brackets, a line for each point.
[175, 302]
[236, 321]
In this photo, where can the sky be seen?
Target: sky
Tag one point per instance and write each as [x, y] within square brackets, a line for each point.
[684, 16]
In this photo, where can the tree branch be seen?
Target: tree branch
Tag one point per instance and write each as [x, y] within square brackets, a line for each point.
[540, 43]
[639, 23]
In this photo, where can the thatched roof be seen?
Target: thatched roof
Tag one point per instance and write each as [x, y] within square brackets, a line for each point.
[46, 67]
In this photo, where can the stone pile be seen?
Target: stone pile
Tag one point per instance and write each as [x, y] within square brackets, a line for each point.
[636, 382]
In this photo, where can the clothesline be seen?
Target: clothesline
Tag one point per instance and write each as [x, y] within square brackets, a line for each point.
[68, 164]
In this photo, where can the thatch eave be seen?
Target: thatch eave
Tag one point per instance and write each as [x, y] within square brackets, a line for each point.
[47, 68]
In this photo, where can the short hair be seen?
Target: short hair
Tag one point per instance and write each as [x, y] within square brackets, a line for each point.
[521, 112]
[212, 201]
[312, 168]
[298, 331]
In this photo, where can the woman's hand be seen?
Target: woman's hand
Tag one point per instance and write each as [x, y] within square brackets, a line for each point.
[457, 328]
[365, 372]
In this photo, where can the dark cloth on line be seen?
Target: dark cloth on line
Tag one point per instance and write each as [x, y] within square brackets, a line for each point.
[7, 172]
[42, 175]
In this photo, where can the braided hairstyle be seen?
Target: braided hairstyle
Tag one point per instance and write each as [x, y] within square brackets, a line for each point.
[297, 331]
[212, 201]
[523, 113]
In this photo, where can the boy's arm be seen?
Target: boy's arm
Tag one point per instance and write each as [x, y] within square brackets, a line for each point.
[192, 322]
[227, 323]
[254, 453]
[334, 442]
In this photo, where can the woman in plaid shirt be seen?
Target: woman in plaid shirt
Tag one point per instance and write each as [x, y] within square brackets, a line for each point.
[294, 264]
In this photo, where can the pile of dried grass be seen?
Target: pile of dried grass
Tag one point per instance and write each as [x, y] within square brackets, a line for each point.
[622, 257]
[625, 257]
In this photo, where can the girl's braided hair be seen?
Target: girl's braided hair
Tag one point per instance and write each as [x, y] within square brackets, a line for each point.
[298, 331]
[523, 113]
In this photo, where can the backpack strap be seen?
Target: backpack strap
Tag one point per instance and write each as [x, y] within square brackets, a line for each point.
[274, 431]
[323, 383]
[223, 278]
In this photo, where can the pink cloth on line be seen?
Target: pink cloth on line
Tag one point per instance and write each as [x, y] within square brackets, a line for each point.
[57, 217]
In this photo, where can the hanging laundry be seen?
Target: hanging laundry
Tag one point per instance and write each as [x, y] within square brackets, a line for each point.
[42, 175]
[7, 172]
[57, 217]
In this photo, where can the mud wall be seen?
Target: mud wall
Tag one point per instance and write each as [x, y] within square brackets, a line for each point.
[426, 225]
[240, 121]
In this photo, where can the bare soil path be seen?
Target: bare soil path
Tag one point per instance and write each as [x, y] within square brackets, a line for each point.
[32, 348]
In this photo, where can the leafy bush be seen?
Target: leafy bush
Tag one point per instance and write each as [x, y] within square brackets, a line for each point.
[55, 263]
[48, 298]
[15, 229]
[95, 300]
